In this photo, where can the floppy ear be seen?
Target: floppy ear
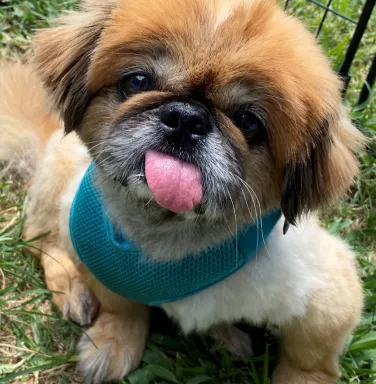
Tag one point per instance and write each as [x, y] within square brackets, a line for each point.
[326, 168]
[62, 56]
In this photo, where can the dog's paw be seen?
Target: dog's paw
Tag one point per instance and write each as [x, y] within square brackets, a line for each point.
[285, 373]
[233, 339]
[111, 348]
[80, 304]
[274, 330]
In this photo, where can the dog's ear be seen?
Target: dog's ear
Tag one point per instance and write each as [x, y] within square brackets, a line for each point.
[62, 56]
[325, 170]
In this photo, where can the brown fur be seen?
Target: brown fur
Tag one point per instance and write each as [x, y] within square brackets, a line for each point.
[24, 131]
[310, 347]
[276, 58]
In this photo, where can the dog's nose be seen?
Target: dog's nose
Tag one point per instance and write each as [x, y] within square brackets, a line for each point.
[184, 120]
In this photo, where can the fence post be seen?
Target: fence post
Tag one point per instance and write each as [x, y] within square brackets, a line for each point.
[355, 41]
[368, 84]
[327, 8]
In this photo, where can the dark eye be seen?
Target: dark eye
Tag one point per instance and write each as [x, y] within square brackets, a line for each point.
[135, 83]
[248, 122]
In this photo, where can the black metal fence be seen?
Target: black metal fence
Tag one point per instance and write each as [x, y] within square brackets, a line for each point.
[352, 48]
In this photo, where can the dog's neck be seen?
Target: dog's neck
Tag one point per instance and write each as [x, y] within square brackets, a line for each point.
[160, 236]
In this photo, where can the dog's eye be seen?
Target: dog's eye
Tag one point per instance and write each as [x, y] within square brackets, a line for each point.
[135, 83]
[248, 122]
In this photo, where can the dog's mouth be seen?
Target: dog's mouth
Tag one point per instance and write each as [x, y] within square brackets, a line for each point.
[175, 184]
[159, 177]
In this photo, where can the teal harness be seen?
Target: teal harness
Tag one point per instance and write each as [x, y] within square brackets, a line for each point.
[123, 268]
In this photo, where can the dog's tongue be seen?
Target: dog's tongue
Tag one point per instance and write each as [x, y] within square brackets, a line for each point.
[176, 185]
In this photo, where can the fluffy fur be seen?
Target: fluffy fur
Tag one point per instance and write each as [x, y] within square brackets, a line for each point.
[223, 56]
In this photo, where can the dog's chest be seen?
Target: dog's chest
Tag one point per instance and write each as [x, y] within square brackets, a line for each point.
[273, 288]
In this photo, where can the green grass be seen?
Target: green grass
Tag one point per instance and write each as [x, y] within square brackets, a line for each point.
[36, 345]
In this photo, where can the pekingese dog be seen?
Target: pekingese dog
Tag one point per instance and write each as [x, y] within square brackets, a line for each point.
[203, 124]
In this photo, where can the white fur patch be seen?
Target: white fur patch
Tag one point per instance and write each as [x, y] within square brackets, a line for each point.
[272, 288]
[225, 9]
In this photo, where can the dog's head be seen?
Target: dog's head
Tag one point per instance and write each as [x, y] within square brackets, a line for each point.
[233, 97]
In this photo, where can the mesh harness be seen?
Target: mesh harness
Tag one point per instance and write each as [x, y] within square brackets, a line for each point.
[122, 267]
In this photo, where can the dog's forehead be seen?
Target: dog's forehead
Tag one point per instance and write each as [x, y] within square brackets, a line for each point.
[184, 37]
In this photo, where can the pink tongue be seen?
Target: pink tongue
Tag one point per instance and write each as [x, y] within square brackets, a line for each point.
[176, 185]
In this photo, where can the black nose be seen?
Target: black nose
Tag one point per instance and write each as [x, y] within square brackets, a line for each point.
[184, 120]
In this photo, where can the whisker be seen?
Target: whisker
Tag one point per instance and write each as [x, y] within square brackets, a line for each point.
[227, 225]
[236, 225]
[257, 225]
[251, 191]
[96, 145]
[150, 200]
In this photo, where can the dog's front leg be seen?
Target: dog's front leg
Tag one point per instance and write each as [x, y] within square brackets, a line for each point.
[114, 341]
[113, 346]
[311, 345]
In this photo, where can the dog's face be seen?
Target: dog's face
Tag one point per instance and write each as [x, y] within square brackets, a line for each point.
[234, 96]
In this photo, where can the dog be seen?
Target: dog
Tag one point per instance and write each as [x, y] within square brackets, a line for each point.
[199, 119]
